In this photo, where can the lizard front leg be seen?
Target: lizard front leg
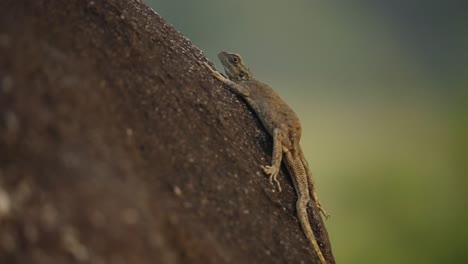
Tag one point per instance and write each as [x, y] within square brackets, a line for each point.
[238, 88]
[273, 170]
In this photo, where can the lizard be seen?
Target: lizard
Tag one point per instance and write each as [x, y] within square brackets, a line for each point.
[283, 124]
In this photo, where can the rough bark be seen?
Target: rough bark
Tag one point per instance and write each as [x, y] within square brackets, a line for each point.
[116, 146]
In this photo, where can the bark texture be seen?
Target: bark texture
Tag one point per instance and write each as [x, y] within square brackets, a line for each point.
[116, 146]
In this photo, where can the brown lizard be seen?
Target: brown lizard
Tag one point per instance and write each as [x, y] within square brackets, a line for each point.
[284, 126]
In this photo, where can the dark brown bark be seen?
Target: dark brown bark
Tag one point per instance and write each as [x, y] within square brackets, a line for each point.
[116, 146]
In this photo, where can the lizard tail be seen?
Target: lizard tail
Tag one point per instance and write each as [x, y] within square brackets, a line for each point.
[299, 177]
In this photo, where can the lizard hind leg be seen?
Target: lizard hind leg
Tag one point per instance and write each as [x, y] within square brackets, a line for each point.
[277, 155]
[312, 186]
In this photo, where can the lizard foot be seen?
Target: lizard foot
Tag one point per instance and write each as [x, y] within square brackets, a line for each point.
[324, 213]
[319, 206]
[272, 171]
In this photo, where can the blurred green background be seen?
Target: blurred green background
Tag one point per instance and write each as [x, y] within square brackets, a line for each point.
[381, 88]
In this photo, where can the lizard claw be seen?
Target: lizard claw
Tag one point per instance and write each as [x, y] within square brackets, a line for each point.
[272, 172]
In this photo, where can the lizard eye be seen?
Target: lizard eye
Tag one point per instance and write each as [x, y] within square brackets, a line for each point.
[234, 59]
[242, 75]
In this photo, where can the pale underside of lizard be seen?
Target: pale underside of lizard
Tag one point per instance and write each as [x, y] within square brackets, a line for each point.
[283, 125]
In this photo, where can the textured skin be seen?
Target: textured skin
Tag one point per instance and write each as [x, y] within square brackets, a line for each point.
[284, 126]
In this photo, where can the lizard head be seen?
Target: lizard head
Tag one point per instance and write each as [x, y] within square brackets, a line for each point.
[235, 69]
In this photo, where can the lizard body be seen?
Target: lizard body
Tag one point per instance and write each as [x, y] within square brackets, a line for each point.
[284, 126]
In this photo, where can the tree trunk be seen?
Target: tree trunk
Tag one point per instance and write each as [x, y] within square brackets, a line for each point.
[116, 146]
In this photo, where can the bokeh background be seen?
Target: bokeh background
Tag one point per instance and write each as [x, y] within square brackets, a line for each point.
[381, 88]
